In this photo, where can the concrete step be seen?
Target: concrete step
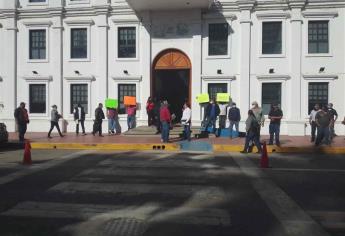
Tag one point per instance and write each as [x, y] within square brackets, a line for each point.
[151, 130]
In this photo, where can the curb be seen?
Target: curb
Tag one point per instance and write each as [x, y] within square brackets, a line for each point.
[108, 146]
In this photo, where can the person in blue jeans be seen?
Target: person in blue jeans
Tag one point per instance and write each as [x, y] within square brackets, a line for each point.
[323, 121]
[234, 118]
[253, 132]
[211, 113]
[275, 115]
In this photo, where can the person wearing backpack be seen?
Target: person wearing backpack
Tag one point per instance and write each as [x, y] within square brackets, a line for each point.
[253, 132]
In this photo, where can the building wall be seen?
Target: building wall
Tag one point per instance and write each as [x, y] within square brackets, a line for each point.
[244, 69]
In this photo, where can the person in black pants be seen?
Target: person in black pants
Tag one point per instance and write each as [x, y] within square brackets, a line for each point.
[54, 121]
[22, 119]
[79, 118]
[99, 116]
[312, 121]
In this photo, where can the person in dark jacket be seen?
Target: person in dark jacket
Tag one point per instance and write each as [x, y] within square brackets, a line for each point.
[211, 113]
[253, 132]
[54, 121]
[79, 118]
[150, 105]
[234, 118]
[156, 111]
[275, 115]
[22, 120]
[99, 116]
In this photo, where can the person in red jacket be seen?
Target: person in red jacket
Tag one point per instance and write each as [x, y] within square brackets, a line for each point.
[150, 111]
[165, 118]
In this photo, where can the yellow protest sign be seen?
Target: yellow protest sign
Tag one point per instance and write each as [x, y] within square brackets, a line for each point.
[202, 98]
[223, 97]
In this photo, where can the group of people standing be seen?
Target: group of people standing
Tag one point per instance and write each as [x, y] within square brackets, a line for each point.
[322, 120]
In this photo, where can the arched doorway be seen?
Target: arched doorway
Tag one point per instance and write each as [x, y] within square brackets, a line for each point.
[171, 79]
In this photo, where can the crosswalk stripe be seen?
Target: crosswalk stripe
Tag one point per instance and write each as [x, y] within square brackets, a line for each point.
[150, 213]
[330, 219]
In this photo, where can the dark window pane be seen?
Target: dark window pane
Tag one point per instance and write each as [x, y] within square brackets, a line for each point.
[213, 89]
[271, 93]
[318, 37]
[37, 0]
[79, 95]
[218, 39]
[317, 93]
[37, 44]
[125, 90]
[37, 96]
[127, 42]
[271, 38]
[79, 43]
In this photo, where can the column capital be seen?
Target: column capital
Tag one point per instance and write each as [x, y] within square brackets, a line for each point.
[297, 3]
[245, 5]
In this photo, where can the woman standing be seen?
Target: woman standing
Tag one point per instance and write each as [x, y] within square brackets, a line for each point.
[186, 121]
[150, 111]
[253, 132]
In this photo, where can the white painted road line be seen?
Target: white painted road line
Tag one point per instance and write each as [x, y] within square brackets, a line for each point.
[295, 221]
[330, 219]
[35, 168]
[150, 213]
[198, 191]
[342, 171]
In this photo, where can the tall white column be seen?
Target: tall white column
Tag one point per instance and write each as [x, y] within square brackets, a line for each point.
[145, 53]
[294, 102]
[10, 67]
[196, 73]
[245, 56]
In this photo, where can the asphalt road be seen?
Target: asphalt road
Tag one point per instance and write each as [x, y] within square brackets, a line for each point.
[162, 194]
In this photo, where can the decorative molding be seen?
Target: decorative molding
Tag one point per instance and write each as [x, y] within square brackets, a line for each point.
[273, 15]
[218, 77]
[320, 77]
[245, 5]
[125, 21]
[136, 78]
[319, 14]
[38, 78]
[37, 23]
[219, 15]
[80, 78]
[273, 77]
[79, 22]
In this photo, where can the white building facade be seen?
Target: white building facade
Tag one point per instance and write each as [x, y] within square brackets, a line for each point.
[66, 52]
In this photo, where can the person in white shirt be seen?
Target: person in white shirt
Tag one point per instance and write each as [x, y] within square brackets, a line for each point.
[222, 117]
[186, 121]
[312, 121]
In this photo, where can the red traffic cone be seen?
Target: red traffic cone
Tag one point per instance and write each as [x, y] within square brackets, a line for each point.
[264, 157]
[27, 154]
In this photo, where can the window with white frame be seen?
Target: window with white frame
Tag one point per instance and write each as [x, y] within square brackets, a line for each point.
[79, 43]
[271, 94]
[272, 37]
[79, 95]
[218, 34]
[37, 42]
[127, 42]
[318, 38]
[214, 88]
[317, 94]
[125, 90]
[37, 98]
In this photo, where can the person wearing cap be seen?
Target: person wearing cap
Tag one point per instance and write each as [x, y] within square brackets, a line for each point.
[54, 121]
[234, 118]
[323, 121]
[275, 115]
[99, 116]
[22, 120]
[334, 116]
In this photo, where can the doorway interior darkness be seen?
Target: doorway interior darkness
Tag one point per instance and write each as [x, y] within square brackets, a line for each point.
[173, 86]
[171, 79]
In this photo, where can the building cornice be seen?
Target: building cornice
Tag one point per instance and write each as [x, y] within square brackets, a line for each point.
[219, 15]
[218, 77]
[80, 78]
[273, 77]
[244, 5]
[38, 78]
[79, 22]
[137, 78]
[37, 23]
[324, 14]
[320, 76]
[273, 15]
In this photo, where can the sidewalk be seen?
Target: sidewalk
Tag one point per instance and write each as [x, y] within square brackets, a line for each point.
[289, 144]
